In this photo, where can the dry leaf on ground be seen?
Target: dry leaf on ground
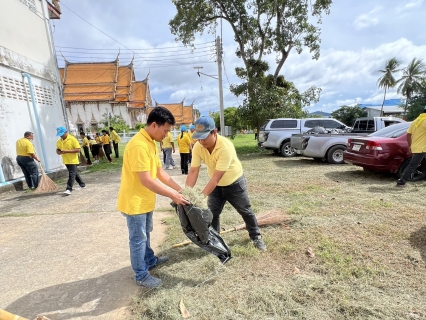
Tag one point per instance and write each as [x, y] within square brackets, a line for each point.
[310, 252]
[183, 311]
[296, 270]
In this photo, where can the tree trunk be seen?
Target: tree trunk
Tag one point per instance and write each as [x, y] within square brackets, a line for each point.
[384, 98]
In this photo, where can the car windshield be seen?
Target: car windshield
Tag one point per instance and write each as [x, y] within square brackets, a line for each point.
[393, 131]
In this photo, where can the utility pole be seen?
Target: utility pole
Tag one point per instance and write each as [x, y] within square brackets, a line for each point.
[219, 66]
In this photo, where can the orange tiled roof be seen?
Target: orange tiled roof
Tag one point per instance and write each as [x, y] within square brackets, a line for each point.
[188, 116]
[138, 94]
[182, 114]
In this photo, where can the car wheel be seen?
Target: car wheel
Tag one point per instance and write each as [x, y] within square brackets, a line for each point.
[418, 174]
[335, 155]
[287, 150]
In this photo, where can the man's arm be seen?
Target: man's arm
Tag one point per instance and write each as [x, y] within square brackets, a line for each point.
[173, 146]
[155, 186]
[167, 180]
[70, 151]
[217, 175]
[191, 180]
[33, 155]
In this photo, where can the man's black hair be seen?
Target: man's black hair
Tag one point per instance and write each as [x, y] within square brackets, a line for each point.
[82, 134]
[27, 134]
[160, 116]
[111, 128]
[104, 131]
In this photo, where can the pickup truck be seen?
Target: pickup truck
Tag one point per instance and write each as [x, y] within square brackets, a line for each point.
[330, 146]
[275, 134]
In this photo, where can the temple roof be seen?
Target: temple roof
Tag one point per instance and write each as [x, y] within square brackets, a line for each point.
[183, 114]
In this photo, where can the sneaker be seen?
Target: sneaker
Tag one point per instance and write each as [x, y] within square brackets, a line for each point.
[68, 192]
[168, 168]
[76, 188]
[259, 244]
[149, 282]
[160, 261]
[82, 187]
[400, 183]
[174, 167]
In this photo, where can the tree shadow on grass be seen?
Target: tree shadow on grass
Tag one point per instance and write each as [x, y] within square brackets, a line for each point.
[418, 240]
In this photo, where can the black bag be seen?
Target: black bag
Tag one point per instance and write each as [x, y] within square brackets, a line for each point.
[195, 223]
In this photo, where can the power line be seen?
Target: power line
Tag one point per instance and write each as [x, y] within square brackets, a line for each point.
[210, 42]
[175, 52]
[224, 68]
[144, 59]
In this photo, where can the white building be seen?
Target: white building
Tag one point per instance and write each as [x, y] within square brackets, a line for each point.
[30, 87]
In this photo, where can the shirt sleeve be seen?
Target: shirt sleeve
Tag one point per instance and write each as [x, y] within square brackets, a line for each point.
[139, 159]
[75, 144]
[224, 160]
[410, 129]
[196, 156]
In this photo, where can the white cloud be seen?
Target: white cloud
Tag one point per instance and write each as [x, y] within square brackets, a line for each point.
[367, 19]
[410, 5]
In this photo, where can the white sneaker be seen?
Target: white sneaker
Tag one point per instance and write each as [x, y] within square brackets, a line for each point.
[77, 188]
[68, 192]
[174, 167]
[168, 168]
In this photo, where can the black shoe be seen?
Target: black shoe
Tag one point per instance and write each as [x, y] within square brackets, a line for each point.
[400, 183]
[259, 244]
[160, 261]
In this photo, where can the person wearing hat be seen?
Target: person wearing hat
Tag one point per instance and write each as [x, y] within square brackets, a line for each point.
[138, 189]
[193, 141]
[416, 138]
[184, 143]
[227, 181]
[25, 158]
[69, 148]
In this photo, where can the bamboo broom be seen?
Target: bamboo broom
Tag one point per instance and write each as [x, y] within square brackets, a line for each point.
[46, 184]
[266, 219]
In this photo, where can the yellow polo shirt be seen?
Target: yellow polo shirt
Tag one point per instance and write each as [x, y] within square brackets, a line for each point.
[24, 147]
[105, 139]
[70, 143]
[140, 155]
[114, 136]
[418, 131]
[223, 158]
[98, 140]
[85, 142]
[184, 143]
[190, 136]
[167, 141]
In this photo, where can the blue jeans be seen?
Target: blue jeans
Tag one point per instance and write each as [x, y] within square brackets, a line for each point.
[168, 158]
[236, 194]
[141, 255]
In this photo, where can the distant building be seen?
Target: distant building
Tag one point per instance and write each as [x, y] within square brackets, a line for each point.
[391, 107]
[96, 90]
[184, 115]
[30, 87]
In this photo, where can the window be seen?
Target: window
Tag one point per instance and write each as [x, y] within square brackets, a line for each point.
[330, 124]
[312, 124]
[284, 124]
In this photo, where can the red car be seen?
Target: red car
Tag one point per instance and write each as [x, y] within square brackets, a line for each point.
[385, 150]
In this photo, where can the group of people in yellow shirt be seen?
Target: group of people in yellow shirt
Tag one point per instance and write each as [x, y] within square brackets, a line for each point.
[101, 142]
[142, 177]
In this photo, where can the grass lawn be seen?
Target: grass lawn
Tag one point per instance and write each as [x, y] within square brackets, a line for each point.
[368, 237]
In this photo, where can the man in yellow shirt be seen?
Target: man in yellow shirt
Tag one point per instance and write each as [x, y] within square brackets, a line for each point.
[227, 182]
[106, 143]
[138, 189]
[86, 147]
[416, 138]
[25, 158]
[69, 148]
[115, 140]
[167, 145]
[193, 141]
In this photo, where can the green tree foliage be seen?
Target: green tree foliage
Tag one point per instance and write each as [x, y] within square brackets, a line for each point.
[387, 80]
[197, 113]
[232, 119]
[139, 126]
[348, 114]
[115, 121]
[411, 81]
[418, 103]
[261, 27]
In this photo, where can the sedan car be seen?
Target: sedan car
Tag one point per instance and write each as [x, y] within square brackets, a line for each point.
[385, 150]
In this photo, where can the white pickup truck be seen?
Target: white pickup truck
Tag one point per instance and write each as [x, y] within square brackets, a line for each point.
[329, 146]
[275, 134]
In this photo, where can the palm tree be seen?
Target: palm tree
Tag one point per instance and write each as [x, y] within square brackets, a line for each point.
[387, 80]
[411, 80]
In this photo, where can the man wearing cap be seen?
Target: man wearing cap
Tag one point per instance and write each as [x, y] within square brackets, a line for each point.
[227, 182]
[25, 158]
[416, 138]
[69, 148]
[138, 189]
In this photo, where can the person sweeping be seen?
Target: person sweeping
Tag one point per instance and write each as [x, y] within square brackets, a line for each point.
[227, 181]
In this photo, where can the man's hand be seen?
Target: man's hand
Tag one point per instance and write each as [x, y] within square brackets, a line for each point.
[173, 150]
[179, 199]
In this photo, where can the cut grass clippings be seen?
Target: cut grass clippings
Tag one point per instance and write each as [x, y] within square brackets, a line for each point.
[368, 238]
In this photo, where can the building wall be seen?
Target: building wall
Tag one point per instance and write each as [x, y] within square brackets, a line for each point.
[26, 46]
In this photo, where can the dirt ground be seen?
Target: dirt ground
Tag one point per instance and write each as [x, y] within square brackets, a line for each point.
[67, 257]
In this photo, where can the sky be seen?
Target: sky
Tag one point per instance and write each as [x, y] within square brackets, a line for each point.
[357, 39]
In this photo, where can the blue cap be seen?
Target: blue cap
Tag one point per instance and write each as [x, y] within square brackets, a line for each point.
[192, 127]
[182, 128]
[203, 127]
[60, 131]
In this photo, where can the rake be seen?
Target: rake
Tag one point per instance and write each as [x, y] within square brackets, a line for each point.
[266, 219]
[46, 184]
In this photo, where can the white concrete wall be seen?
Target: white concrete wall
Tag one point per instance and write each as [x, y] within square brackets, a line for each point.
[85, 112]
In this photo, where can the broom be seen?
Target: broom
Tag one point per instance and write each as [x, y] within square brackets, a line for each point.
[46, 184]
[266, 219]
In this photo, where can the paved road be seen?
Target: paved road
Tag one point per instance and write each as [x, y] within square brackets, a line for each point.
[67, 257]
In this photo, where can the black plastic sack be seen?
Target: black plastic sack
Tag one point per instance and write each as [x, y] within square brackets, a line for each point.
[195, 223]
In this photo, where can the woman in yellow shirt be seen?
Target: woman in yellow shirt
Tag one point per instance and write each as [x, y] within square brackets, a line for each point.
[184, 143]
[106, 144]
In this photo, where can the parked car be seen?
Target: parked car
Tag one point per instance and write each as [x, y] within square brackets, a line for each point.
[383, 151]
[275, 134]
[329, 146]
